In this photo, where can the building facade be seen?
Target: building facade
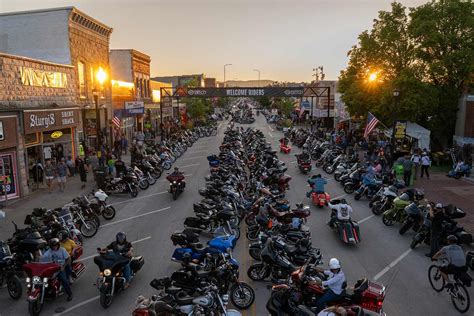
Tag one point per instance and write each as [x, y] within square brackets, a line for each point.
[131, 67]
[79, 41]
[464, 133]
[183, 80]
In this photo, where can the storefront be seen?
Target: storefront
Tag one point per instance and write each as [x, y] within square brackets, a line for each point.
[9, 176]
[49, 135]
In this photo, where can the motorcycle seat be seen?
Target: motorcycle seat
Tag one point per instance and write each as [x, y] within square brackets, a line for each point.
[173, 290]
[203, 216]
[197, 246]
[184, 299]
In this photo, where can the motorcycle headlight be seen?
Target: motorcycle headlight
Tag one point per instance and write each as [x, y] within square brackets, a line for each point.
[174, 182]
[36, 280]
[107, 272]
[45, 280]
[171, 183]
[28, 280]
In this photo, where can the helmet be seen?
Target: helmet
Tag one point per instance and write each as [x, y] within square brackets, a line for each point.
[54, 242]
[343, 201]
[419, 195]
[439, 205]
[334, 264]
[62, 234]
[121, 237]
[452, 239]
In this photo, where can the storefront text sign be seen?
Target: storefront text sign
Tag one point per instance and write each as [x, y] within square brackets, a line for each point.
[56, 134]
[47, 120]
[135, 107]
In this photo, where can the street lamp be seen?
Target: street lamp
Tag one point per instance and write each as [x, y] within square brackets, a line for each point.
[224, 71]
[101, 76]
[258, 76]
[396, 97]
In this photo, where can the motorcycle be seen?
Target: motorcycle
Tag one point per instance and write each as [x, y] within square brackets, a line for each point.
[126, 184]
[220, 225]
[177, 184]
[42, 283]
[285, 148]
[8, 272]
[320, 199]
[111, 280]
[383, 201]
[396, 214]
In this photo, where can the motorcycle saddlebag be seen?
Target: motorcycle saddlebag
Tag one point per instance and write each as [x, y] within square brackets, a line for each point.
[192, 222]
[137, 263]
[470, 259]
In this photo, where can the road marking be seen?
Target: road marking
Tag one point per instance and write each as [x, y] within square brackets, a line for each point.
[197, 151]
[365, 219]
[133, 242]
[198, 157]
[194, 164]
[392, 264]
[77, 305]
[136, 216]
[139, 198]
[339, 197]
[271, 135]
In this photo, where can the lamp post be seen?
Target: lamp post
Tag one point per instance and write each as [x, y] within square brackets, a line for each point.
[100, 76]
[258, 76]
[396, 97]
[224, 71]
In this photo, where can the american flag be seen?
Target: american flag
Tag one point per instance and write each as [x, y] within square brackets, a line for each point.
[372, 122]
[116, 121]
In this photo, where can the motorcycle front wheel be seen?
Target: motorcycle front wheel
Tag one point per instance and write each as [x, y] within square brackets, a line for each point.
[175, 194]
[14, 287]
[242, 295]
[349, 188]
[387, 219]
[143, 184]
[167, 165]
[255, 253]
[134, 191]
[105, 299]
[34, 308]
[151, 179]
[258, 272]
[89, 228]
[109, 212]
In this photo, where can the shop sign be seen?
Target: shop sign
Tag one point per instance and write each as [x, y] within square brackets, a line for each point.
[134, 107]
[8, 176]
[56, 134]
[47, 120]
[400, 129]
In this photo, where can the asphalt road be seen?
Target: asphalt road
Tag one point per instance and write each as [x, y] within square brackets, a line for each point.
[153, 216]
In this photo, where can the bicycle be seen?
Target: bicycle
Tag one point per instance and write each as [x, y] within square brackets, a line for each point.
[459, 294]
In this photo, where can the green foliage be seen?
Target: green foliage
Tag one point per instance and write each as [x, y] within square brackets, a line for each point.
[285, 105]
[265, 102]
[428, 55]
[198, 107]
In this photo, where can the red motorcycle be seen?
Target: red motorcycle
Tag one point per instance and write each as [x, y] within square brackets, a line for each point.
[285, 148]
[305, 286]
[320, 199]
[42, 281]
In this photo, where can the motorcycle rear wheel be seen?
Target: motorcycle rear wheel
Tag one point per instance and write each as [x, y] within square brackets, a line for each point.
[255, 253]
[15, 290]
[242, 295]
[34, 308]
[349, 188]
[255, 273]
[143, 184]
[90, 230]
[377, 208]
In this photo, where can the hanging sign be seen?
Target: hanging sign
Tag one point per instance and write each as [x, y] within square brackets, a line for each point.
[56, 134]
[400, 129]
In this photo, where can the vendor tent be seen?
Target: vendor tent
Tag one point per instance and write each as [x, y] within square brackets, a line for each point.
[420, 133]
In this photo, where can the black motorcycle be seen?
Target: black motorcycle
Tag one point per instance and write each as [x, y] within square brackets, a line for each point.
[126, 184]
[177, 184]
[8, 272]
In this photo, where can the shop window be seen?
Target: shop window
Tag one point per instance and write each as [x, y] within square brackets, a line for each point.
[32, 139]
[82, 80]
[92, 76]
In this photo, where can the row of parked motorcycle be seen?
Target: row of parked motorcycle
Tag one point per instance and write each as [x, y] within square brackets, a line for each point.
[387, 195]
[208, 277]
[77, 220]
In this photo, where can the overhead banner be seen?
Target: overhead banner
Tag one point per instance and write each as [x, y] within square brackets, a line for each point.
[241, 92]
[42, 78]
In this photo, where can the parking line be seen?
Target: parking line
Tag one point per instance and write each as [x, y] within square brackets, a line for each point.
[194, 164]
[365, 219]
[271, 135]
[338, 197]
[136, 216]
[198, 157]
[133, 242]
[392, 264]
[139, 198]
[77, 305]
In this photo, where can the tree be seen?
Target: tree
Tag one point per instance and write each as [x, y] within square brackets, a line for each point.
[285, 105]
[426, 55]
[198, 108]
[265, 102]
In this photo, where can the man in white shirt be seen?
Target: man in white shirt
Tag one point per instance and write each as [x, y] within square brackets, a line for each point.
[425, 164]
[335, 283]
[343, 212]
[416, 159]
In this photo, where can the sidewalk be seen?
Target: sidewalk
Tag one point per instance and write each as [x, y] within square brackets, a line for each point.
[440, 188]
[16, 210]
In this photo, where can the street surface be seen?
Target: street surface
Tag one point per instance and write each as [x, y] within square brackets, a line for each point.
[153, 216]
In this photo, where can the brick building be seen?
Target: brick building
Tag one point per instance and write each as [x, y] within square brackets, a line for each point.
[39, 117]
[132, 67]
[70, 37]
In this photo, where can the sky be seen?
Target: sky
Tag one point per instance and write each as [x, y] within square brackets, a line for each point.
[284, 39]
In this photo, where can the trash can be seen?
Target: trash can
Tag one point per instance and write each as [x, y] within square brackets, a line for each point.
[100, 175]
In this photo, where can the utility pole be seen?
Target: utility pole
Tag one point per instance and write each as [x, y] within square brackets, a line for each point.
[258, 76]
[224, 71]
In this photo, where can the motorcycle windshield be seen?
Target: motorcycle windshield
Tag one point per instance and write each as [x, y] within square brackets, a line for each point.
[112, 261]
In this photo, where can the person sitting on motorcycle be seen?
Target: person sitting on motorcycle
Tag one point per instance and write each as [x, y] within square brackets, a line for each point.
[59, 255]
[317, 185]
[68, 244]
[177, 175]
[284, 141]
[343, 212]
[303, 157]
[456, 261]
[368, 180]
[335, 283]
[333, 311]
[124, 247]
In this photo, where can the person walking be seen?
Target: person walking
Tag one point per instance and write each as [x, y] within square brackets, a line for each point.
[49, 172]
[407, 169]
[62, 172]
[71, 166]
[416, 159]
[82, 169]
[437, 216]
[425, 164]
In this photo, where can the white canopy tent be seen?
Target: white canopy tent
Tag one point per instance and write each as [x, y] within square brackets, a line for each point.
[420, 133]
